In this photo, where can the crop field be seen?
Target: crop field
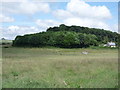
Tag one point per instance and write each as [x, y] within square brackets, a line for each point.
[59, 68]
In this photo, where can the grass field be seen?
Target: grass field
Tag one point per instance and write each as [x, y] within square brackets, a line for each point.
[59, 68]
[5, 41]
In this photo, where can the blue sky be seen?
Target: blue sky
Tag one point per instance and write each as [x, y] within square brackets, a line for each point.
[26, 17]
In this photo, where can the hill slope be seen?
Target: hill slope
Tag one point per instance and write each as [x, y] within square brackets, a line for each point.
[68, 37]
[103, 35]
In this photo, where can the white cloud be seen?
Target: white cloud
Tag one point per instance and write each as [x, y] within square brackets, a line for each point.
[86, 22]
[44, 24]
[12, 31]
[80, 13]
[4, 18]
[115, 28]
[63, 14]
[13, 28]
[24, 7]
[31, 7]
[82, 9]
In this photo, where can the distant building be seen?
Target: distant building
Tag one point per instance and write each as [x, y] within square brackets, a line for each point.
[111, 44]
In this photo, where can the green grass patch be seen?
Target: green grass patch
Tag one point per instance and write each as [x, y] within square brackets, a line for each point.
[59, 68]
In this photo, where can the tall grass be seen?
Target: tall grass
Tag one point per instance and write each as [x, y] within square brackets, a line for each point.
[59, 68]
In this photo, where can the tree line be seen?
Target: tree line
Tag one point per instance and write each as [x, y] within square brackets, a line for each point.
[103, 36]
[67, 37]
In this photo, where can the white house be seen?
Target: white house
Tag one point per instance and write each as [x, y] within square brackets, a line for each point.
[111, 44]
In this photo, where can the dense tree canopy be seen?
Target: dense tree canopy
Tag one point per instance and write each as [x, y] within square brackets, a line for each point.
[67, 37]
[103, 35]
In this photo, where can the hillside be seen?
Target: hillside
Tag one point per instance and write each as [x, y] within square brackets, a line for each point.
[68, 37]
[102, 35]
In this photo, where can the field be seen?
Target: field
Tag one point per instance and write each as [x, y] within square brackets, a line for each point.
[5, 41]
[59, 68]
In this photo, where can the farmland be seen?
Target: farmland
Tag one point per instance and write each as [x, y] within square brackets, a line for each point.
[59, 68]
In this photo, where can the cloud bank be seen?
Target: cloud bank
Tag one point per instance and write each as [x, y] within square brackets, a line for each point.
[82, 14]
[11, 31]
[4, 18]
[24, 7]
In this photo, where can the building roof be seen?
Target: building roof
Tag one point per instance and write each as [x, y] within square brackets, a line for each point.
[111, 43]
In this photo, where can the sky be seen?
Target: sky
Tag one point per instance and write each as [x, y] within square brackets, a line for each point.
[26, 17]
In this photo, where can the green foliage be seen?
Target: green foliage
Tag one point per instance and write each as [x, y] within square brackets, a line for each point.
[87, 40]
[59, 39]
[67, 37]
[14, 73]
[102, 35]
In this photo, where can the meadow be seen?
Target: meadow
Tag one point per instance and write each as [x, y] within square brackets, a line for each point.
[59, 68]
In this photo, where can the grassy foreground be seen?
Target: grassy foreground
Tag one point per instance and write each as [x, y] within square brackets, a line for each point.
[59, 68]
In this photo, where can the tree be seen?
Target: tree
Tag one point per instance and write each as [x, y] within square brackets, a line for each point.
[68, 37]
